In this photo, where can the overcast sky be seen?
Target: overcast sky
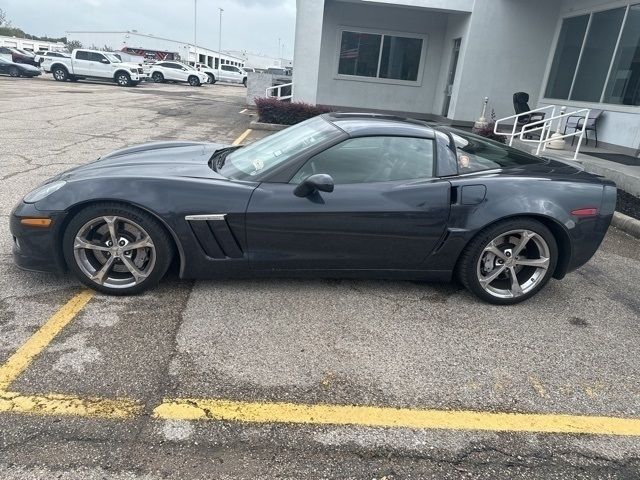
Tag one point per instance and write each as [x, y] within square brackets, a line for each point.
[252, 25]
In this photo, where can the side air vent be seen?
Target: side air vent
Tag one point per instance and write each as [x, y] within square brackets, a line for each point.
[214, 236]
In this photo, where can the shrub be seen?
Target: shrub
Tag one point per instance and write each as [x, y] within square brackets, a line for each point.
[271, 110]
[488, 132]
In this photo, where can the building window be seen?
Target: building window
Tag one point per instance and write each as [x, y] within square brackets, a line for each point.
[597, 58]
[624, 81]
[382, 56]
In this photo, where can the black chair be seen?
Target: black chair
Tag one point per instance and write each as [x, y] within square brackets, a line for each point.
[521, 105]
[576, 122]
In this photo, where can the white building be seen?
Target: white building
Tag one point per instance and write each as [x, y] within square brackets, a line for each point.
[255, 60]
[440, 58]
[132, 39]
[31, 45]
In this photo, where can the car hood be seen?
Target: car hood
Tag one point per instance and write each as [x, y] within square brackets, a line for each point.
[158, 159]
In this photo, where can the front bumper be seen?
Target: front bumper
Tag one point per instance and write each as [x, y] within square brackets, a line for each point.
[36, 248]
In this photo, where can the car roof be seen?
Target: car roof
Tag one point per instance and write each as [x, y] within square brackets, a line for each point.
[362, 124]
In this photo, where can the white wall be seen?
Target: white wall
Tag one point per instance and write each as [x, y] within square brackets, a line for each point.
[306, 53]
[506, 51]
[27, 44]
[377, 95]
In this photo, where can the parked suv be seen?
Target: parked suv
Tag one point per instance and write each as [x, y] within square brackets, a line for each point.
[177, 72]
[96, 64]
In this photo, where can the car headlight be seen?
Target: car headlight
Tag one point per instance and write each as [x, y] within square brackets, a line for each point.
[44, 191]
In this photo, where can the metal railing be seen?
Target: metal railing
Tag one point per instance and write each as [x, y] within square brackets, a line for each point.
[515, 119]
[276, 91]
[545, 127]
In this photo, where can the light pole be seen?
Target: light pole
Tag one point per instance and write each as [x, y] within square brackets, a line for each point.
[220, 34]
[195, 31]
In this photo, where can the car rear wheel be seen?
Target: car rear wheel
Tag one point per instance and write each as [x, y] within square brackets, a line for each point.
[157, 77]
[509, 262]
[14, 72]
[210, 78]
[116, 249]
[60, 74]
[123, 79]
[194, 81]
[244, 82]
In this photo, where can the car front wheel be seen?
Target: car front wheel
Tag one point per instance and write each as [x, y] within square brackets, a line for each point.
[14, 72]
[123, 79]
[509, 262]
[194, 81]
[116, 249]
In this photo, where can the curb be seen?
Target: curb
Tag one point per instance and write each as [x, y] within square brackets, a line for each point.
[274, 127]
[626, 224]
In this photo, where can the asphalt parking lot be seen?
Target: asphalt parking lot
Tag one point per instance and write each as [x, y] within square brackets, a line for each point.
[274, 378]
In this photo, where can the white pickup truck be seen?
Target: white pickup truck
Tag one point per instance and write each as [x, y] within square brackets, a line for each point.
[96, 64]
[226, 73]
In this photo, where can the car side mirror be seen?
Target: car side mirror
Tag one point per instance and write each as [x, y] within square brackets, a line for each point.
[319, 182]
[104, 60]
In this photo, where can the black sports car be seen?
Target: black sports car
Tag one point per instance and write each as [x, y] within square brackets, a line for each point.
[340, 195]
[18, 69]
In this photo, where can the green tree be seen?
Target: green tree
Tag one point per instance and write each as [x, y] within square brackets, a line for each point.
[3, 19]
[73, 44]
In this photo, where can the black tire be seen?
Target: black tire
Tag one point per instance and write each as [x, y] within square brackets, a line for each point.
[244, 82]
[468, 264]
[60, 74]
[162, 243]
[14, 72]
[157, 77]
[194, 81]
[123, 79]
[211, 79]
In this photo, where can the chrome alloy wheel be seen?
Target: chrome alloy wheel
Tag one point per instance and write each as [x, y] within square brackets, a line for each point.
[513, 264]
[114, 252]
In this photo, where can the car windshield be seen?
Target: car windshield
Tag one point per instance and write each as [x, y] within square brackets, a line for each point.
[112, 58]
[259, 157]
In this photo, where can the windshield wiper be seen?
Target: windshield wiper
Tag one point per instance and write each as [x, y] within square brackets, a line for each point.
[218, 158]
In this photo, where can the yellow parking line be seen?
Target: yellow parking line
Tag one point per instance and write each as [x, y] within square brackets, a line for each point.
[241, 138]
[21, 359]
[194, 409]
[53, 404]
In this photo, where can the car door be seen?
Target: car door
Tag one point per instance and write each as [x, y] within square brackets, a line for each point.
[100, 65]
[387, 210]
[225, 74]
[82, 64]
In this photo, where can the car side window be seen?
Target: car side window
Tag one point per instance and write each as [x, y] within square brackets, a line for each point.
[476, 154]
[373, 159]
[97, 57]
[81, 55]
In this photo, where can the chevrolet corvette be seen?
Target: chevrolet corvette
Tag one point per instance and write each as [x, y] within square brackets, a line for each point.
[339, 195]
